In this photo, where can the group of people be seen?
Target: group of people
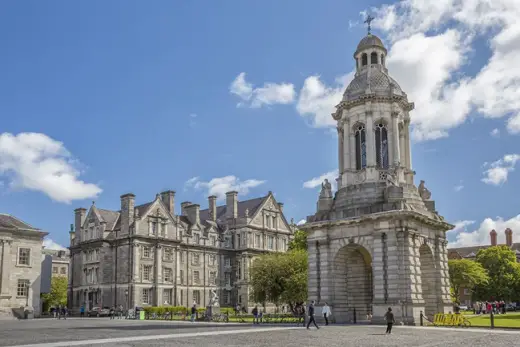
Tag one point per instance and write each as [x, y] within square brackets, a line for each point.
[497, 307]
[60, 312]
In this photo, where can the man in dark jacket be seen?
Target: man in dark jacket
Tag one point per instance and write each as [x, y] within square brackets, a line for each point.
[311, 316]
[390, 320]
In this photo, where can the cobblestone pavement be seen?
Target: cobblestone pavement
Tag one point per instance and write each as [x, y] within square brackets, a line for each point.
[123, 333]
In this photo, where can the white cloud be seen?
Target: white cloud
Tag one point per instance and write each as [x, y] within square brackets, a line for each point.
[268, 94]
[498, 171]
[301, 222]
[495, 132]
[50, 244]
[317, 181]
[221, 185]
[458, 188]
[480, 236]
[36, 162]
[318, 102]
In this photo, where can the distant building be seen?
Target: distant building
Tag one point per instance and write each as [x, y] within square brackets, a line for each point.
[60, 261]
[147, 255]
[471, 253]
[20, 266]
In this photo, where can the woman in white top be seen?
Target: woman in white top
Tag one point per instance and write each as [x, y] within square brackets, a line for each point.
[326, 313]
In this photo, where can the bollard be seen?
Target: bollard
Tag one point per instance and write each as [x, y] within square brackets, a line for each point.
[421, 319]
[355, 318]
[492, 319]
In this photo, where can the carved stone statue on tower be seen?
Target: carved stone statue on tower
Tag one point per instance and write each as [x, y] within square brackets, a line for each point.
[424, 193]
[326, 189]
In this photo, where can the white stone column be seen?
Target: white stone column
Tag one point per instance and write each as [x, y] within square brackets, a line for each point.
[395, 138]
[6, 267]
[341, 156]
[347, 146]
[402, 148]
[370, 140]
[352, 143]
[158, 263]
[408, 151]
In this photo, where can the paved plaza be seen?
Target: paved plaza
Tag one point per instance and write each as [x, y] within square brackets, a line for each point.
[122, 333]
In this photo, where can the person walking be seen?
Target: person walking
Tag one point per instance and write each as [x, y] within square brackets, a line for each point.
[311, 316]
[390, 320]
[193, 312]
[326, 313]
[256, 320]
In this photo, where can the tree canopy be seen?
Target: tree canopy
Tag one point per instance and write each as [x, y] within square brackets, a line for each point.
[279, 278]
[58, 294]
[299, 242]
[465, 273]
[504, 274]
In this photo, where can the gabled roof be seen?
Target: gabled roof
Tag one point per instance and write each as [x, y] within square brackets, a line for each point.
[252, 205]
[110, 217]
[11, 222]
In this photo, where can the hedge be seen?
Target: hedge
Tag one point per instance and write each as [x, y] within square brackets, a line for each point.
[181, 310]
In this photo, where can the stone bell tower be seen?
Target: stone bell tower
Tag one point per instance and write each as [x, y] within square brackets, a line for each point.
[378, 242]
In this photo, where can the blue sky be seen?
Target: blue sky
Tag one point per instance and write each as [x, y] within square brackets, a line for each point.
[205, 96]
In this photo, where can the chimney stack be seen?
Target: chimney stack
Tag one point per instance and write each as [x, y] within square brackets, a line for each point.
[493, 235]
[280, 205]
[79, 218]
[72, 234]
[193, 213]
[183, 207]
[127, 212]
[509, 237]
[212, 205]
[168, 198]
[232, 204]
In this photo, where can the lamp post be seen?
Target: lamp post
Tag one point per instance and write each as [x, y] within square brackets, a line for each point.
[126, 299]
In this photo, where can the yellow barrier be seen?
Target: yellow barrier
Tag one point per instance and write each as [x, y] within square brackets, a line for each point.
[448, 319]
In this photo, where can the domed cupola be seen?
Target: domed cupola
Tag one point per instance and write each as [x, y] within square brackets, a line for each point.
[371, 72]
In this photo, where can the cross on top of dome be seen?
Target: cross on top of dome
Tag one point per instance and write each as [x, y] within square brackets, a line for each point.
[368, 21]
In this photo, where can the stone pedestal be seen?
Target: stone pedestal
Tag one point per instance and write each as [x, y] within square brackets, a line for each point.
[212, 310]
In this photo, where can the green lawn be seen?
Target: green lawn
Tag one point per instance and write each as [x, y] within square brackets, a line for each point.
[509, 320]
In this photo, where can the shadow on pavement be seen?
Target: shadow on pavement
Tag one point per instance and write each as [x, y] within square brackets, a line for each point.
[161, 327]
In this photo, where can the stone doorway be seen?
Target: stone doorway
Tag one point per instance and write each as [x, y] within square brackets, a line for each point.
[428, 281]
[353, 284]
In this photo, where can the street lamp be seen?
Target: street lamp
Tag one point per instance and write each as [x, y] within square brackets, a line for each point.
[126, 298]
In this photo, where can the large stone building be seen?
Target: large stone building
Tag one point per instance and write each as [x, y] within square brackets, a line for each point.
[378, 242]
[149, 255]
[60, 260]
[20, 266]
[465, 294]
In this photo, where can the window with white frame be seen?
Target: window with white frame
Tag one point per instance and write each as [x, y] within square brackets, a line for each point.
[226, 296]
[181, 276]
[270, 242]
[147, 272]
[168, 254]
[196, 296]
[239, 240]
[195, 259]
[96, 275]
[196, 239]
[168, 275]
[227, 279]
[24, 256]
[146, 295]
[167, 296]
[212, 259]
[284, 245]
[258, 242]
[227, 261]
[196, 277]
[54, 269]
[213, 241]
[213, 277]
[22, 289]
[63, 270]
[182, 256]
[275, 222]
[239, 269]
[228, 242]
[163, 229]
[146, 252]
[154, 228]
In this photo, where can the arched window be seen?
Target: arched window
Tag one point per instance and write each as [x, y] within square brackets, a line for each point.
[381, 146]
[361, 148]
[373, 58]
[364, 59]
[382, 59]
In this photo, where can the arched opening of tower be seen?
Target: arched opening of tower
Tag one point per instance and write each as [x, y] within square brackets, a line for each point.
[373, 58]
[364, 59]
[428, 281]
[382, 146]
[353, 283]
[361, 148]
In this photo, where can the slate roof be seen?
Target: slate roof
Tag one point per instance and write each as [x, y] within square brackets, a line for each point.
[10, 222]
[110, 217]
[252, 205]
[466, 252]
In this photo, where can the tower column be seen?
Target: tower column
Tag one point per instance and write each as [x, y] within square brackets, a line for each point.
[408, 154]
[395, 138]
[341, 149]
[347, 146]
[352, 143]
[402, 148]
[370, 140]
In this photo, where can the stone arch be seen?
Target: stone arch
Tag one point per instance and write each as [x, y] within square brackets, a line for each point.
[352, 282]
[364, 59]
[428, 280]
[373, 58]
[360, 148]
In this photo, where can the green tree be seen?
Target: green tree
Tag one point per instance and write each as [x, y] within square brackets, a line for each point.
[299, 242]
[58, 293]
[280, 278]
[465, 273]
[504, 273]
